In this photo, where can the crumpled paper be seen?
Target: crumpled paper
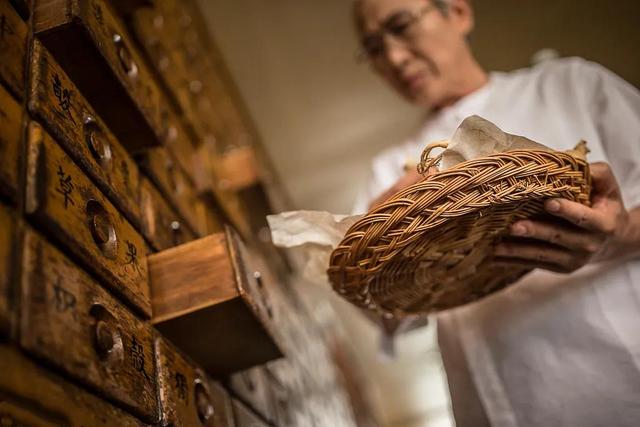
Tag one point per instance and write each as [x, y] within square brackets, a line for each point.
[315, 234]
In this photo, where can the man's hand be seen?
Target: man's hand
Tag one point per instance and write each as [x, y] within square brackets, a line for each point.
[410, 178]
[580, 234]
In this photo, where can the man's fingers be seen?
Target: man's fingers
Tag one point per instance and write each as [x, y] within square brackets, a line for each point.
[515, 262]
[603, 180]
[562, 235]
[539, 254]
[408, 179]
[580, 215]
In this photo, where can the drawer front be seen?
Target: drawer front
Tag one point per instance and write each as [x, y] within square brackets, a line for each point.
[257, 284]
[244, 417]
[187, 397]
[62, 199]
[162, 227]
[106, 61]
[174, 184]
[13, 48]
[7, 254]
[252, 387]
[156, 35]
[69, 319]
[58, 103]
[10, 137]
[32, 396]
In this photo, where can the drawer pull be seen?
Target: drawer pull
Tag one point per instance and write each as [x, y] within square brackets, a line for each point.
[97, 143]
[107, 338]
[102, 229]
[126, 61]
[263, 297]
[204, 407]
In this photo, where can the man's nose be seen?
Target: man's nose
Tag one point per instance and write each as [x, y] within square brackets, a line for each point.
[396, 51]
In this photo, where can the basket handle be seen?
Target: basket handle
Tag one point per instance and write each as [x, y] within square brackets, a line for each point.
[427, 162]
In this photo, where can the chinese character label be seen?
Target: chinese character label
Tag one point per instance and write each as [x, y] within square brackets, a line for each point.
[97, 12]
[136, 353]
[132, 257]
[63, 299]
[5, 28]
[64, 97]
[65, 186]
[181, 386]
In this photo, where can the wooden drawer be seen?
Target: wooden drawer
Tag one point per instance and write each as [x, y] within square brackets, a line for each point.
[238, 168]
[10, 136]
[105, 66]
[32, 396]
[187, 397]
[173, 183]
[209, 185]
[13, 49]
[162, 227]
[244, 417]
[8, 237]
[63, 200]
[70, 320]
[253, 388]
[58, 103]
[157, 35]
[161, 35]
[208, 282]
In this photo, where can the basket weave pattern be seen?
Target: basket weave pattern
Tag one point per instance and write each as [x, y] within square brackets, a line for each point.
[429, 247]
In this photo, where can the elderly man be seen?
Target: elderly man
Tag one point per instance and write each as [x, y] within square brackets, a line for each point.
[561, 347]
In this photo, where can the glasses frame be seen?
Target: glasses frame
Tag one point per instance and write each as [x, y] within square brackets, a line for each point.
[362, 55]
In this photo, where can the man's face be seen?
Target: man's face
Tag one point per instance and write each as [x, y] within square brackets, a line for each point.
[421, 52]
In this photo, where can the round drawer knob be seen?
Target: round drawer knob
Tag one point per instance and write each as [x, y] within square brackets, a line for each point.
[204, 407]
[102, 229]
[97, 143]
[107, 339]
[124, 55]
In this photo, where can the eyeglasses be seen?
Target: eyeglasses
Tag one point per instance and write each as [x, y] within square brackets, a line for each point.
[401, 25]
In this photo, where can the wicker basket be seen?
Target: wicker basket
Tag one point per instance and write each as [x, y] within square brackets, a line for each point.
[429, 247]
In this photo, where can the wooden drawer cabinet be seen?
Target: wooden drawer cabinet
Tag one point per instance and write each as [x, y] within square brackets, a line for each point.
[69, 319]
[253, 388]
[32, 396]
[162, 227]
[105, 66]
[187, 397]
[244, 417]
[10, 136]
[207, 282]
[57, 102]
[8, 237]
[161, 167]
[63, 200]
[13, 48]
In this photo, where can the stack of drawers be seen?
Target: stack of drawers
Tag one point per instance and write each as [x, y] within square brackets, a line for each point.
[133, 290]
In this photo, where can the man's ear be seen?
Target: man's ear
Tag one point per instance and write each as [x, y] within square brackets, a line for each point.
[461, 14]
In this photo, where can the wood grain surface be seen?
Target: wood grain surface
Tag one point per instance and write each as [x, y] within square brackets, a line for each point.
[13, 48]
[58, 103]
[70, 320]
[11, 130]
[62, 200]
[33, 396]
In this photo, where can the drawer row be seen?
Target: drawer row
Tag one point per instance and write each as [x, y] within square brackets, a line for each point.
[34, 396]
[69, 321]
[104, 115]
